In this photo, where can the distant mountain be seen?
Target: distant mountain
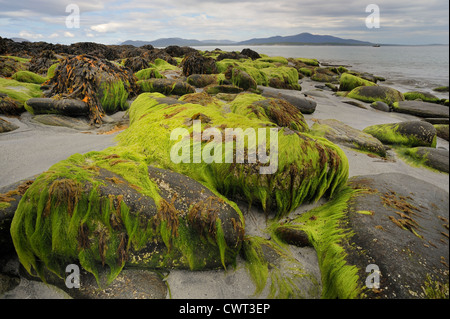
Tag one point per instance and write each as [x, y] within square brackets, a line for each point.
[302, 38]
[19, 40]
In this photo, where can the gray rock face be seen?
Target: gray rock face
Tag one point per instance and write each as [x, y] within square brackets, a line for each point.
[380, 106]
[306, 106]
[340, 133]
[436, 158]
[6, 126]
[400, 224]
[69, 107]
[422, 109]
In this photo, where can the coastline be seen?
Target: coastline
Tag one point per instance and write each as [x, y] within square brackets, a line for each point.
[33, 148]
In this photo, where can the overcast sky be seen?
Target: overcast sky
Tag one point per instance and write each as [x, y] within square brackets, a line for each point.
[112, 22]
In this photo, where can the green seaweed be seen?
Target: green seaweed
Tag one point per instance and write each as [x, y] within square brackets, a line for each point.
[328, 232]
[19, 91]
[28, 77]
[348, 82]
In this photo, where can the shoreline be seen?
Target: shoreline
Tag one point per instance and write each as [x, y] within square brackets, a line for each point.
[33, 148]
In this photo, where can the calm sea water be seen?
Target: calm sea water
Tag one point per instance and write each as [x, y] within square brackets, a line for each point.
[404, 67]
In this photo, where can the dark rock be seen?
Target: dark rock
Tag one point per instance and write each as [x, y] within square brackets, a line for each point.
[437, 158]
[442, 131]
[441, 120]
[198, 64]
[201, 80]
[230, 55]
[9, 200]
[136, 63]
[251, 54]
[305, 105]
[422, 109]
[69, 107]
[42, 62]
[405, 235]
[177, 51]
[6, 126]
[340, 133]
[380, 106]
[294, 237]
[355, 103]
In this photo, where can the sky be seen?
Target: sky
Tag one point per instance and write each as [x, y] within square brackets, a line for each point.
[112, 22]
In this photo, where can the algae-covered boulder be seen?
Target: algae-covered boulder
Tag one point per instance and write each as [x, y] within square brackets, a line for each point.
[305, 105]
[102, 85]
[421, 109]
[166, 86]
[162, 197]
[348, 82]
[442, 131]
[103, 209]
[424, 96]
[304, 168]
[69, 107]
[372, 94]
[408, 133]
[436, 158]
[195, 63]
[240, 78]
[202, 80]
[340, 133]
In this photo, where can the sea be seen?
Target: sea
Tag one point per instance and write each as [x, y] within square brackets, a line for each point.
[406, 68]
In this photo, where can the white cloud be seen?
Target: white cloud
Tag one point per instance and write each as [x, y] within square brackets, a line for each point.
[29, 35]
[68, 34]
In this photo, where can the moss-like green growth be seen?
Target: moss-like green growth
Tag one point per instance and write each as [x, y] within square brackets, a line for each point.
[28, 77]
[265, 72]
[441, 89]
[271, 264]
[328, 231]
[113, 96]
[51, 70]
[396, 134]
[165, 86]
[306, 71]
[150, 73]
[426, 97]
[311, 62]
[372, 94]
[72, 213]
[274, 59]
[19, 91]
[348, 82]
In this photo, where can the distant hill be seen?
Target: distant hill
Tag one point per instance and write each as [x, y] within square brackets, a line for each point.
[302, 38]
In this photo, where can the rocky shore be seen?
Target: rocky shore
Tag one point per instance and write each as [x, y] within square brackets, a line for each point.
[357, 208]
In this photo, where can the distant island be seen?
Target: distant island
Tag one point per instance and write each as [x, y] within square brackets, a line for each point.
[299, 39]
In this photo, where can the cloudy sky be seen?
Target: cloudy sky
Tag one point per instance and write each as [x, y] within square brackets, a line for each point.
[112, 22]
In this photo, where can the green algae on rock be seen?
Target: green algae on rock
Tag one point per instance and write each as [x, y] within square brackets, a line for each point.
[107, 209]
[348, 82]
[408, 133]
[375, 93]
